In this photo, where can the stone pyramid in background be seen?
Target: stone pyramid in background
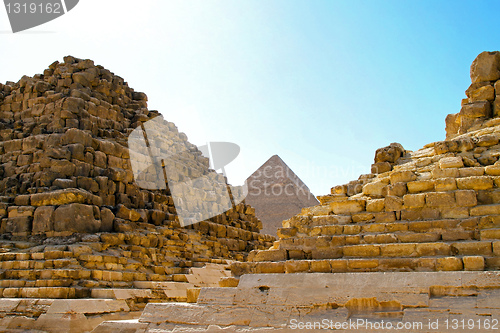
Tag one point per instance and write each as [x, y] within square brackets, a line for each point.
[277, 194]
[73, 220]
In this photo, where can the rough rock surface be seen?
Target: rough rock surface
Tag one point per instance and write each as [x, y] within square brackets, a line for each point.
[277, 194]
[74, 223]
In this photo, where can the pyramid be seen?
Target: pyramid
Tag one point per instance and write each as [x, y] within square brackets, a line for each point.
[277, 194]
[74, 222]
[414, 245]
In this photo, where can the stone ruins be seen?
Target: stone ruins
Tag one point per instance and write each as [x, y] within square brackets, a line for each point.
[414, 245]
[277, 194]
[75, 224]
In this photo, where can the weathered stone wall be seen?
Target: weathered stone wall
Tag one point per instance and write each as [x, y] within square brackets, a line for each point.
[482, 100]
[435, 209]
[362, 302]
[72, 214]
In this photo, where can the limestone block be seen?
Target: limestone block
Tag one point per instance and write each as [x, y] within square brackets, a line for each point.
[449, 264]
[76, 217]
[476, 110]
[472, 171]
[466, 198]
[74, 135]
[385, 217]
[473, 263]
[492, 170]
[351, 229]
[112, 239]
[496, 248]
[228, 282]
[385, 238]
[393, 203]
[444, 173]
[362, 217]
[348, 206]
[14, 211]
[414, 200]
[192, 294]
[375, 205]
[475, 183]
[63, 197]
[22, 200]
[485, 67]
[398, 226]
[361, 251]
[381, 167]
[445, 184]
[420, 186]
[490, 234]
[362, 264]
[472, 248]
[454, 235]
[484, 93]
[402, 176]
[496, 106]
[433, 249]
[296, 266]
[397, 189]
[339, 189]
[451, 162]
[127, 214]
[397, 250]
[107, 218]
[43, 220]
[485, 210]
[373, 227]
[390, 153]
[375, 188]
[321, 266]
[440, 199]
[270, 255]
[352, 240]
[21, 225]
[338, 265]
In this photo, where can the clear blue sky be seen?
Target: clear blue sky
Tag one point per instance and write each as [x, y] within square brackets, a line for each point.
[323, 84]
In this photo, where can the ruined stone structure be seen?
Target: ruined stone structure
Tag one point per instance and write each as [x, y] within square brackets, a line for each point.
[416, 241]
[74, 223]
[277, 194]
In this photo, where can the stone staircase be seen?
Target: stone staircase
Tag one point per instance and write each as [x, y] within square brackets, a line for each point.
[437, 218]
[79, 270]
[73, 288]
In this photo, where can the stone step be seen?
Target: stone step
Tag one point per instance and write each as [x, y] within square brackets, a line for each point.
[331, 250]
[424, 264]
[146, 295]
[408, 250]
[45, 292]
[462, 205]
[443, 226]
[329, 243]
[269, 303]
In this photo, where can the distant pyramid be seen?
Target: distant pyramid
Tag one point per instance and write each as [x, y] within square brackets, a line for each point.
[277, 194]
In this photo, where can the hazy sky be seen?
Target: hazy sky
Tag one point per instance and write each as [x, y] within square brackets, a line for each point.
[323, 84]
